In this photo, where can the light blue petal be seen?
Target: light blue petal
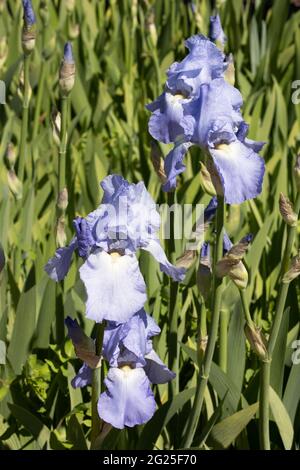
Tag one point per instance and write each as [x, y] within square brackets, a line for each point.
[216, 32]
[128, 400]
[156, 370]
[174, 165]
[115, 287]
[58, 266]
[154, 247]
[83, 378]
[241, 171]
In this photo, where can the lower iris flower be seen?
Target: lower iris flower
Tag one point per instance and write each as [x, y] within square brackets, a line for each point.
[108, 239]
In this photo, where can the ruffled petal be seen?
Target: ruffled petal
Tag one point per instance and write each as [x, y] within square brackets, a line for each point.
[154, 247]
[174, 165]
[128, 400]
[58, 266]
[168, 122]
[83, 378]
[84, 236]
[115, 287]
[241, 171]
[156, 370]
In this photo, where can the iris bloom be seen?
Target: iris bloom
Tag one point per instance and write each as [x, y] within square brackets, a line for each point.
[134, 365]
[108, 240]
[198, 107]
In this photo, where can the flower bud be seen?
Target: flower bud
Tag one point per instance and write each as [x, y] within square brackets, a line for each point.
[151, 28]
[257, 341]
[229, 73]
[14, 184]
[67, 71]
[73, 30]
[29, 31]
[84, 345]
[158, 162]
[186, 260]
[206, 181]
[3, 51]
[56, 126]
[294, 270]
[11, 155]
[239, 275]
[2, 5]
[204, 275]
[70, 5]
[297, 172]
[61, 237]
[62, 200]
[287, 211]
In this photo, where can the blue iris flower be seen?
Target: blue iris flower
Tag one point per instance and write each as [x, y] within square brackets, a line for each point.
[198, 107]
[108, 240]
[29, 16]
[128, 399]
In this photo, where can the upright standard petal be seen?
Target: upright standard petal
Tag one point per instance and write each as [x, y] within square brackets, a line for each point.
[241, 171]
[174, 165]
[156, 370]
[128, 400]
[115, 287]
[83, 378]
[216, 32]
[154, 247]
[84, 236]
[58, 266]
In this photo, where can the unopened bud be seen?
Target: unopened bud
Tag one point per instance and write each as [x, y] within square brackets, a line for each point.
[294, 270]
[151, 28]
[3, 51]
[61, 237]
[84, 345]
[14, 184]
[56, 126]
[206, 181]
[239, 275]
[67, 71]
[70, 5]
[297, 172]
[73, 30]
[29, 30]
[11, 155]
[158, 162]
[229, 73]
[186, 260]
[204, 275]
[287, 210]
[257, 341]
[44, 12]
[62, 200]
[2, 5]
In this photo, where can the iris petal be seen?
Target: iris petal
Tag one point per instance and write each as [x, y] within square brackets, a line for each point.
[174, 165]
[115, 287]
[83, 378]
[128, 400]
[58, 266]
[154, 247]
[156, 370]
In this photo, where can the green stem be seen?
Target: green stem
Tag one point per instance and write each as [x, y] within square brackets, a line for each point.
[244, 300]
[223, 352]
[37, 111]
[213, 334]
[266, 366]
[24, 128]
[96, 387]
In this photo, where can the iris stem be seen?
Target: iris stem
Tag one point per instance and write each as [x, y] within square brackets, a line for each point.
[213, 333]
[63, 145]
[264, 403]
[96, 387]
[37, 111]
[244, 300]
[223, 352]
[24, 128]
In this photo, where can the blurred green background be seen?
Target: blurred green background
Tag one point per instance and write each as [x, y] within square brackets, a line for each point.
[122, 51]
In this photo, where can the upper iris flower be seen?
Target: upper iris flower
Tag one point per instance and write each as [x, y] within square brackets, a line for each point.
[198, 107]
[108, 239]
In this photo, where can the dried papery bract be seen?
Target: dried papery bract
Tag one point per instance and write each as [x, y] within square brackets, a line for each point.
[287, 211]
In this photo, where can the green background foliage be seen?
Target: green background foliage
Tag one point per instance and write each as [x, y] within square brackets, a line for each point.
[119, 69]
